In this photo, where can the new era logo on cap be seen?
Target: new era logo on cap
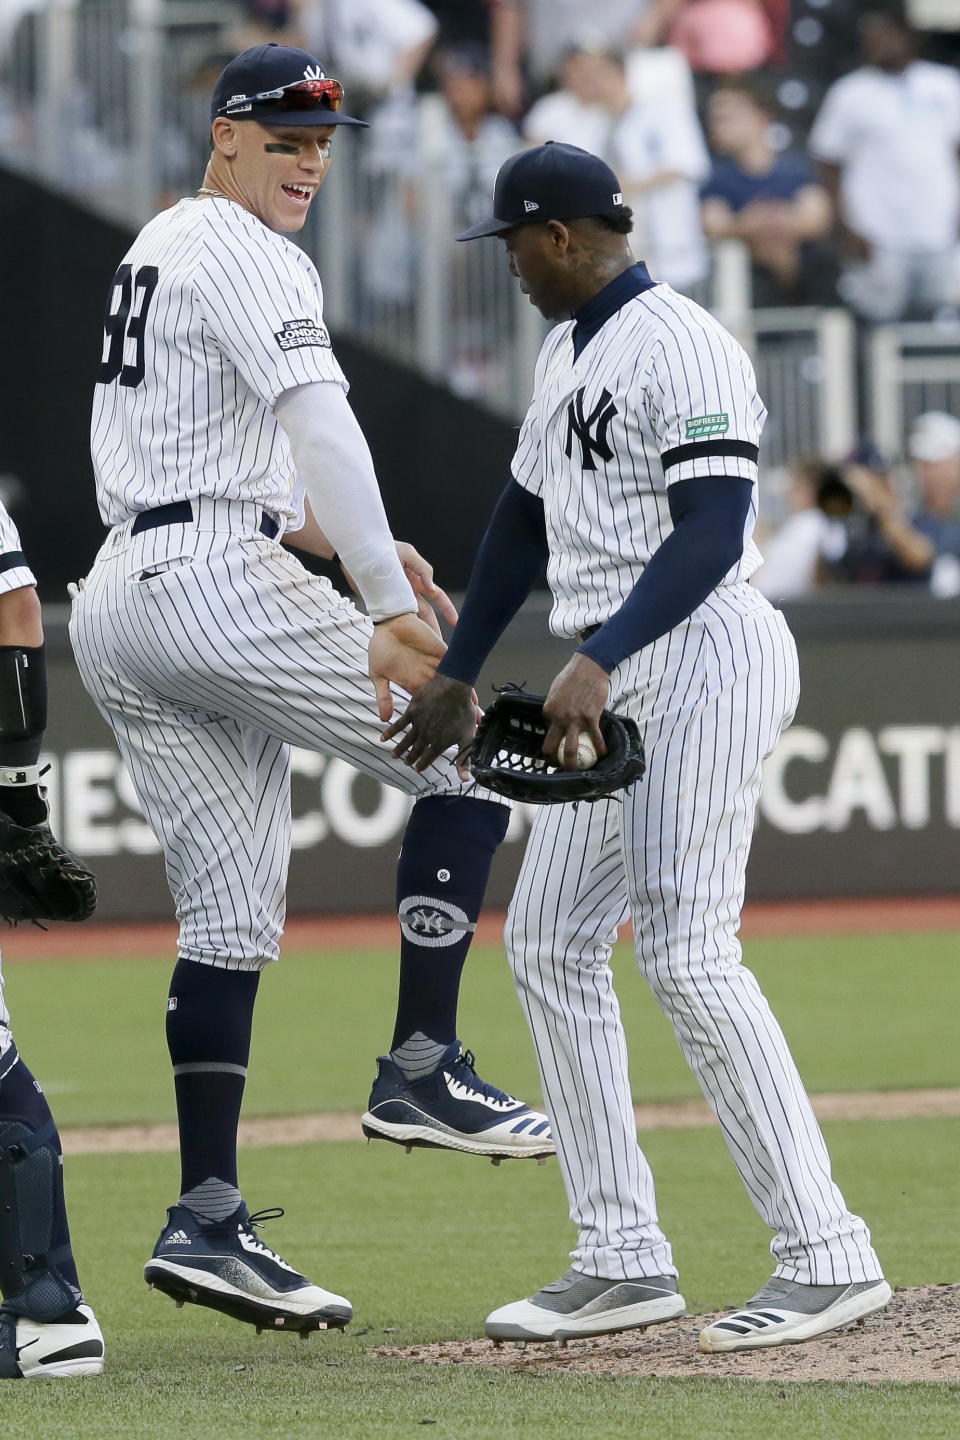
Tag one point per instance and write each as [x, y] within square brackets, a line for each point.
[565, 183]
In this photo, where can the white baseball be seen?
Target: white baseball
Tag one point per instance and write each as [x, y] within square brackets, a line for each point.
[586, 752]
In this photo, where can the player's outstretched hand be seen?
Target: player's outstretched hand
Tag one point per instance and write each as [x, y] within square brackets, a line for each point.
[430, 597]
[405, 652]
[577, 699]
[442, 714]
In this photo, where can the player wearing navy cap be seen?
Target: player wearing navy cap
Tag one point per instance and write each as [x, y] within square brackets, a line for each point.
[635, 487]
[550, 182]
[221, 424]
[276, 85]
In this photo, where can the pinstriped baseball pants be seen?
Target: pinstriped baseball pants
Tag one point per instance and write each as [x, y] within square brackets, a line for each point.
[711, 698]
[210, 650]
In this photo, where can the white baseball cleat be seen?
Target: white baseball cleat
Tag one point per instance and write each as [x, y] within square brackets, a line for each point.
[31, 1349]
[577, 1306]
[785, 1312]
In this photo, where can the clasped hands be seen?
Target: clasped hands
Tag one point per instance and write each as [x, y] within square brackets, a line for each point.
[444, 712]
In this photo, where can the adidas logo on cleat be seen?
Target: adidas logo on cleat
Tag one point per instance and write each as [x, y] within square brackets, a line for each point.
[179, 1237]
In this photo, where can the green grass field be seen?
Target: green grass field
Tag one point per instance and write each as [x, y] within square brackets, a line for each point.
[877, 1012]
[425, 1245]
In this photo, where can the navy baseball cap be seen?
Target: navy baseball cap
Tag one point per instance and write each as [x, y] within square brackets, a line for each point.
[279, 85]
[550, 182]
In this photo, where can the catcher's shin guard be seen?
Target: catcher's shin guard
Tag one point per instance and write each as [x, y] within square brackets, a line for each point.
[31, 1282]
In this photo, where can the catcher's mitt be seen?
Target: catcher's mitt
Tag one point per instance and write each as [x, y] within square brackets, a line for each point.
[39, 879]
[506, 754]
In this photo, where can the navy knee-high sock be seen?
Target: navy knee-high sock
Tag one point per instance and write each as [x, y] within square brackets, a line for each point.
[448, 847]
[209, 1020]
[22, 1099]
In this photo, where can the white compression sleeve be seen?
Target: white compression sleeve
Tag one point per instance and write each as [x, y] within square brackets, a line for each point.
[334, 462]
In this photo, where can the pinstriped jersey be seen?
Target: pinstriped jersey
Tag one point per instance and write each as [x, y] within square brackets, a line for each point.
[211, 317]
[661, 393]
[15, 573]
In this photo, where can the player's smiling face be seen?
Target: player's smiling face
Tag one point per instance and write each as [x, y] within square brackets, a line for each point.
[276, 170]
[290, 164]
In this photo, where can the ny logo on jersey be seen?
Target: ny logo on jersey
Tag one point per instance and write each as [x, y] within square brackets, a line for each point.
[597, 422]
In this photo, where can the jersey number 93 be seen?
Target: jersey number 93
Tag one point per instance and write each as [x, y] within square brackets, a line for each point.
[120, 325]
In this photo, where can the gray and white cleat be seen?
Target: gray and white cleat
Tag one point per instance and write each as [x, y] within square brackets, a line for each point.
[785, 1312]
[577, 1306]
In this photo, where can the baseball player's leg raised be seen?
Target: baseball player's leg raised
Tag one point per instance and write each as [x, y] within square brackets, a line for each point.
[676, 852]
[220, 423]
[427, 1091]
[205, 708]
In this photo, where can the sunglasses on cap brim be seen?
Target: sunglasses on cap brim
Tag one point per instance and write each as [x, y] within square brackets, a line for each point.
[301, 95]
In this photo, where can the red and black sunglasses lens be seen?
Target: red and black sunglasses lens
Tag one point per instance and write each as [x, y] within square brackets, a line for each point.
[312, 95]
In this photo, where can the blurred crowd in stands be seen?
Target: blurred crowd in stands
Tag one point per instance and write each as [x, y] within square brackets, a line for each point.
[823, 134]
[816, 131]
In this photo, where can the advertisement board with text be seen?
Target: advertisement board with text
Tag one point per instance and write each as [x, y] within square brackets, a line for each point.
[861, 797]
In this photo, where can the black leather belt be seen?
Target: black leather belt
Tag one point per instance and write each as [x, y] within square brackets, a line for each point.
[180, 512]
[583, 635]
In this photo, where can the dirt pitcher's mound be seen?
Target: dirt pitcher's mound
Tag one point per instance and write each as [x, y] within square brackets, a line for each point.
[917, 1337]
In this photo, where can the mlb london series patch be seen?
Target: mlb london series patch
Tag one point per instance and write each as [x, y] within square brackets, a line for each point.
[296, 333]
[701, 426]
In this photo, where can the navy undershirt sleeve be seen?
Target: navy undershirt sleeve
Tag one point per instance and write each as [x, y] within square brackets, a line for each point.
[512, 556]
[709, 514]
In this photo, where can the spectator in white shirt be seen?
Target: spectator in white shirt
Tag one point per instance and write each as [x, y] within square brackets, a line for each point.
[374, 46]
[529, 38]
[656, 148]
[887, 137]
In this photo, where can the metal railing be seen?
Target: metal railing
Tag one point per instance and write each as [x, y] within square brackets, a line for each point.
[393, 276]
[805, 364]
[910, 369]
[108, 100]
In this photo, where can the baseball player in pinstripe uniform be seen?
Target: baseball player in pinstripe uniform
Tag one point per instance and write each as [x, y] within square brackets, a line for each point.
[634, 484]
[46, 1327]
[211, 650]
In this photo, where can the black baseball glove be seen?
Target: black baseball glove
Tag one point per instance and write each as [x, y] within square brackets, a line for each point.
[506, 754]
[40, 879]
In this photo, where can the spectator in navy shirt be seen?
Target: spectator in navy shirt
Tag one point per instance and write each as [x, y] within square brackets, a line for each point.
[771, 201]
